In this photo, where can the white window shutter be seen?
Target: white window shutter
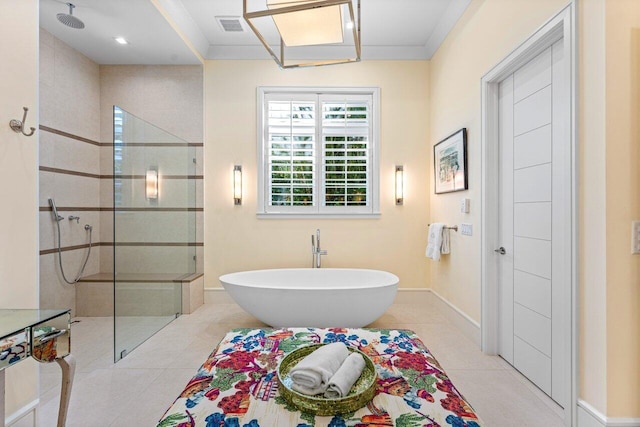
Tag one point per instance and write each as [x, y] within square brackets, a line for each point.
[346, 151]
[318, 152]
[291, 148]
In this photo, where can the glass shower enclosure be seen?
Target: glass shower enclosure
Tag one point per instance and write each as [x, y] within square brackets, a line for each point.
[153, 228]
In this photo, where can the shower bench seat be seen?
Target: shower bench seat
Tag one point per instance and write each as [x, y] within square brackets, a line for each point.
[94, 297]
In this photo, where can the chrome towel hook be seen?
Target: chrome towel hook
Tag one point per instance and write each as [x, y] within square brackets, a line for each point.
[18, 126]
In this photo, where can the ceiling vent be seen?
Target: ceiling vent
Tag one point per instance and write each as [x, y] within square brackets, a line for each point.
[230, 24]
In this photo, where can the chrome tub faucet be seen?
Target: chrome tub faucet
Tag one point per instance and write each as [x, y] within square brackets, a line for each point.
[316, 251]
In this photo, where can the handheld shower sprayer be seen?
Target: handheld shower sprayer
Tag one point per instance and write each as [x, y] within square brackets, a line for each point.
[57, 217]
[54, 209]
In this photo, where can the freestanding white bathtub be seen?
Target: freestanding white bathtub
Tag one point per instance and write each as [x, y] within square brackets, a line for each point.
[313, 297]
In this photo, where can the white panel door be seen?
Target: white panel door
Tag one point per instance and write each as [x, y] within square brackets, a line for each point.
[534, 272]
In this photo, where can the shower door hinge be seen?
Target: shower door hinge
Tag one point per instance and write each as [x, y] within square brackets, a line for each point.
[194, 257]
[194, 160]
[123, 353]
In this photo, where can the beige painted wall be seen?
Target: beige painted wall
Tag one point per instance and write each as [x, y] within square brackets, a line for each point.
[609, 193]
[623, 206]
[236, 240]
[19, 180]
[486, 33]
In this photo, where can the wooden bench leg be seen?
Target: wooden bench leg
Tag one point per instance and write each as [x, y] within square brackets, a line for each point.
[68, 366]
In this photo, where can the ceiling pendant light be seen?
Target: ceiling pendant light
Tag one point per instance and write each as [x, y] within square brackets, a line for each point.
[309, 29]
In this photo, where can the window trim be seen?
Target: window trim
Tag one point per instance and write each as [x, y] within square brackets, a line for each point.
[340, 213]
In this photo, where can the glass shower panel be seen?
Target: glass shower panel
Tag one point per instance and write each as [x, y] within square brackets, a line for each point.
[153, 227]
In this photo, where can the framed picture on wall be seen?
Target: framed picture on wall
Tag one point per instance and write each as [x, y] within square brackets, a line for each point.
[450, 163]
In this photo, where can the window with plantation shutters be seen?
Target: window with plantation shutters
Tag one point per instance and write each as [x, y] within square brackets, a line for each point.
[345, 151]
[318, 152]
[290, 152]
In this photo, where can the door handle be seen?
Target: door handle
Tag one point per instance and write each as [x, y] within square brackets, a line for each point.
[500, 250]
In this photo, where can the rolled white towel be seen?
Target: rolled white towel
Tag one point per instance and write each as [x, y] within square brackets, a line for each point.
[311, 375]
[309, 391]
[341, 382]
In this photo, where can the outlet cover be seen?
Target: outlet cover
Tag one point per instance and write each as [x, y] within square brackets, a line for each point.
[635, 237]
[466, 229]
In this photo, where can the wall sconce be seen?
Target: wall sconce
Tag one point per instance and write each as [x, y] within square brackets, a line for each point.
[399, 185]
[152, 184]
[237, 185]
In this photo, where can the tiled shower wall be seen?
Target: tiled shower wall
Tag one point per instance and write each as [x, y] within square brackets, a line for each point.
[169, 97]
[69, 165]
[76, 142]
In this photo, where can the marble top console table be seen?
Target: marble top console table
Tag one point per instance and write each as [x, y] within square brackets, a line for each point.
[44, 335]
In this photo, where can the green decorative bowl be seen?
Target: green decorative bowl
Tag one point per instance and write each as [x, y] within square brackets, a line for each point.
[361, 393]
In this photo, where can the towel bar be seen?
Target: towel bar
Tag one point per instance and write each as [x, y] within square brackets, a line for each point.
[454, 227]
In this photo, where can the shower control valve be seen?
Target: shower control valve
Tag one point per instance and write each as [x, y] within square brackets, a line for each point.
[76, 218]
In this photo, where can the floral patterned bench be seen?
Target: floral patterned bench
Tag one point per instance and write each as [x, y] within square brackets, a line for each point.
[237, 384]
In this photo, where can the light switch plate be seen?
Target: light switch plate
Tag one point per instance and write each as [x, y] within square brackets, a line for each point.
[466, 229]
[635, 237]
[464, 205]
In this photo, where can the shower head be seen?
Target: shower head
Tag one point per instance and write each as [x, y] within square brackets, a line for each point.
[70, 20]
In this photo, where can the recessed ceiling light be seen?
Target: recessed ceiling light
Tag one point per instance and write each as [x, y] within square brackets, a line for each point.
[121, 40]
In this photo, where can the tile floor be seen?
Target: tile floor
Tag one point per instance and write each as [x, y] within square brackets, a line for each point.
[137, 390]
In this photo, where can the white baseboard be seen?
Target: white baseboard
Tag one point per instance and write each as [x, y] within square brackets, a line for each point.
[217, 296]
[461, 320]
[469, 327]
[23, 417]
[404, 296]
[588, 416]
[413, 296]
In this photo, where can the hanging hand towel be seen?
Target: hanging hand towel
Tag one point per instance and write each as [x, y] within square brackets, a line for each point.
[434, 244]
[341, 382]
[445, 248]
[312, 374]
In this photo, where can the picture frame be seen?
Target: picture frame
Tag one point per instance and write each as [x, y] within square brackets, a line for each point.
[450, 163]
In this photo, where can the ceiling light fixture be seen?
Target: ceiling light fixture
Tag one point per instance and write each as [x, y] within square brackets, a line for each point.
[121, 40]
[305, 24]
